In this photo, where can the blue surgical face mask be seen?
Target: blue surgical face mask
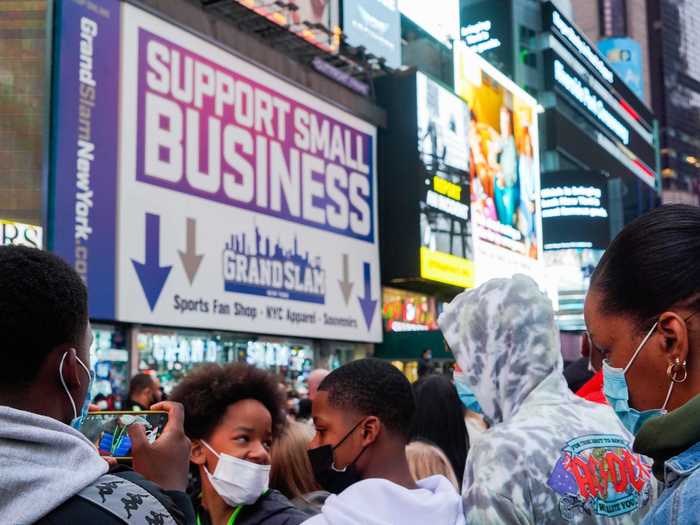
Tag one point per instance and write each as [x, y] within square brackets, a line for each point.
[77, 419]
[617, 392]
[466, 395]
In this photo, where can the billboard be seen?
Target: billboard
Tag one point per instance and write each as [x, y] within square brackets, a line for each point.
[575, 210]
[486, 27]
[232, 186]
[504, 169]
[625, 57]
[446, 251]
[439, 18]
[301, 17]
[376, 25]
[424, 187]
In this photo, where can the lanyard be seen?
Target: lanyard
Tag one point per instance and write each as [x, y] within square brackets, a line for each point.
[231, 520]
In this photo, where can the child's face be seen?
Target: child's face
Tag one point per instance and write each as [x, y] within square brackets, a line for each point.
[332, 426]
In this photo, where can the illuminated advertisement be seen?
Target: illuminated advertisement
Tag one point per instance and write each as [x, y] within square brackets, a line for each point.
[446, 244]
[575, 210]
[625, 56]
[18, 234]
[442, 125]
[504, 168]
[302, 19]
[376, 25]
[438, 18]
[625, 137]
[486, 28]
[405, 311]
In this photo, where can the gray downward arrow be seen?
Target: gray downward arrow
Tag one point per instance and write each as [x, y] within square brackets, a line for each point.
[346, 285]
[190, 259]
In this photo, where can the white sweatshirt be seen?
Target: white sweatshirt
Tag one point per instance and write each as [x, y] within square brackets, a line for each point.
[381, 502]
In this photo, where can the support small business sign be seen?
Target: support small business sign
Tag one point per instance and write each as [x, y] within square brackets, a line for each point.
[215, 194]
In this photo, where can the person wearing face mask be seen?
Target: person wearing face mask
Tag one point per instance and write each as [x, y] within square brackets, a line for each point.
[549, 457]
[233, 413]
[362, 415]
[643, 314]
[50, 473]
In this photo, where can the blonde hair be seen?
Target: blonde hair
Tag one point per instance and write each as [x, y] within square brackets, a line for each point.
[291, 471]
[426, 460]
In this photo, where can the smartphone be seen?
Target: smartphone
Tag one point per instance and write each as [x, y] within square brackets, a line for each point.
[109, 430]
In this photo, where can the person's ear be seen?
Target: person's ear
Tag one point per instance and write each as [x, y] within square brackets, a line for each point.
[73, 374]
[370, 430]
[199, 453]
[674, 340]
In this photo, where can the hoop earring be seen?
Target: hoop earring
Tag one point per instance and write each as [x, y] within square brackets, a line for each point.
[675, 368]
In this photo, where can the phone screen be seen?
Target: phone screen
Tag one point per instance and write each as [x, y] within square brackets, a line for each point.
[109, 431]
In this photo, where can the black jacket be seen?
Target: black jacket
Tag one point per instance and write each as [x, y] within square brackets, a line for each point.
[78, 511]
[271, 509]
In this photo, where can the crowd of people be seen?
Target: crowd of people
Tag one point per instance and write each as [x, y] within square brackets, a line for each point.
[503, 440]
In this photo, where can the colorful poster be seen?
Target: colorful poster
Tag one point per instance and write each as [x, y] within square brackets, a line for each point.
[504, 169]
[244, 203]
[625, 56]
[446, 252]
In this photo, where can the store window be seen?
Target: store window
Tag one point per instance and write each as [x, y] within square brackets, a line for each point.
[171, 354]
[109, 358]
[291, 361]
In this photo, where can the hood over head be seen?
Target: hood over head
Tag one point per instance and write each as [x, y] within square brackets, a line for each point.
[43, 463]
[381, 502]
[506, 342]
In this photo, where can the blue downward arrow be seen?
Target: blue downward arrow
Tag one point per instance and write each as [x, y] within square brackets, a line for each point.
[368, 304]
[151, 274]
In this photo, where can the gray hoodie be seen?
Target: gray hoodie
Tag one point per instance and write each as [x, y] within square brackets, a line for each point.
[43, 463]
[550, 457]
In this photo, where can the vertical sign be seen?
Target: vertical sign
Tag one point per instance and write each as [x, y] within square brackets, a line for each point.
[82, 221]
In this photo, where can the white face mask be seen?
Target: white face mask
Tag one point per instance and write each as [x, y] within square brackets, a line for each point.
[236, 481]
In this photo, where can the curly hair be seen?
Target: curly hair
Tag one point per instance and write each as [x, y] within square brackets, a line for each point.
[43, 304]
[207, 391]
[373, 387]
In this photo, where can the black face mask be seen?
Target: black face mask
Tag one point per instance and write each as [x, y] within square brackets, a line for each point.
[330, 478]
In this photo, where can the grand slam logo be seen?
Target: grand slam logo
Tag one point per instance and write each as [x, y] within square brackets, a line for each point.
[268, 268]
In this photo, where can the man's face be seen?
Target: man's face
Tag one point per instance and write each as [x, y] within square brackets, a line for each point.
[332, 426]
[156, 394]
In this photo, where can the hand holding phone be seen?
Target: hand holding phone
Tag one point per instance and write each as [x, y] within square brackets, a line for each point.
[108, 430]
[166, 460]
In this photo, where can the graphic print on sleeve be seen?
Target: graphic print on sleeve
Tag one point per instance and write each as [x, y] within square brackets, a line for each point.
[599, 474]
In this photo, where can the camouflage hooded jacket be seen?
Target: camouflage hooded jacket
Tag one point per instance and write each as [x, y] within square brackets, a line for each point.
[550, 457]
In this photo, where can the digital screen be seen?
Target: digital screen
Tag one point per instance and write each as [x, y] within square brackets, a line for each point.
[405, 311]
[376, 25]
[446, 239]
[503, 167]
[439, 18]
[575, 210]
[625, 56]
[109, 432]
[302, 20]
[486, 28]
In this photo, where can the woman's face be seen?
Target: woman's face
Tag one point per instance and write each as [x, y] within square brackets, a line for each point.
[617, 337]
[244, 432]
